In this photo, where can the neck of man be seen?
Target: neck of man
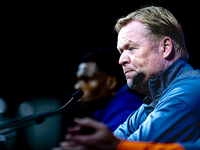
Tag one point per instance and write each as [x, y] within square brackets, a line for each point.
[143, 86]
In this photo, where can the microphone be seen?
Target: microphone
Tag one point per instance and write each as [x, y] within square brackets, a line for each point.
[40, 117]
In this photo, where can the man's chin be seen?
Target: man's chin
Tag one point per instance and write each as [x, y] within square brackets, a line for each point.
[137, 80]
[138, 83]
[132, 86]
[84, 100]
[81, 100]
[129, 82]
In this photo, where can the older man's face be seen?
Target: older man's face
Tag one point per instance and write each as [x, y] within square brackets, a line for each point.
[139, 58]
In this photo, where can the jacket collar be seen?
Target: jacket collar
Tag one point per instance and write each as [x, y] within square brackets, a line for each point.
[162, 81]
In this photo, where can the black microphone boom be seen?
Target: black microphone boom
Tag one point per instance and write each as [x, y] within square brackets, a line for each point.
[40, 117]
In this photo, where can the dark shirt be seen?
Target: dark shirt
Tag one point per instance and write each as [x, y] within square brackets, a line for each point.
[123, 103]
[111, 110]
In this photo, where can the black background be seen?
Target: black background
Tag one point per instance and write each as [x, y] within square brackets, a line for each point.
[43, 41]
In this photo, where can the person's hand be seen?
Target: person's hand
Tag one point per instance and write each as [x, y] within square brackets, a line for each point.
[96, 137]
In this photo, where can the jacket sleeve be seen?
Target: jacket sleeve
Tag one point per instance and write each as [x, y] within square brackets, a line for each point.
[128, 145]
[131, 124]
[172, 120]
[191, 145]
[169, 122]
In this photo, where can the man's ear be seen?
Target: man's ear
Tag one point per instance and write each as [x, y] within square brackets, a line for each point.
[111, 82]
[168, 52]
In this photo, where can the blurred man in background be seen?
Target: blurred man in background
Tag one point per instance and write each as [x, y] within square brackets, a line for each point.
[106, 97]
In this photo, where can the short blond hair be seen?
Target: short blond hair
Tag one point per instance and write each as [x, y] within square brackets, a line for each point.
[160, 23]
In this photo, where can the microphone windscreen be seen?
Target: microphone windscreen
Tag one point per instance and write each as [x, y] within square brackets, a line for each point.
[78, 94]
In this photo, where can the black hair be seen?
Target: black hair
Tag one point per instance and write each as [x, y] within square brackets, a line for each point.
[107, 60]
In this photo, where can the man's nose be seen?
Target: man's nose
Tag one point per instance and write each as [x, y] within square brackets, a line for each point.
[77, 86]
[124, 58]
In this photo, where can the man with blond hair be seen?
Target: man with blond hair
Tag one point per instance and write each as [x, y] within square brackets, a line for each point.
[154, 59]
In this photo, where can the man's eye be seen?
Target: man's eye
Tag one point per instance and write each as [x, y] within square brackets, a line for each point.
[132, 48]
[85, 79]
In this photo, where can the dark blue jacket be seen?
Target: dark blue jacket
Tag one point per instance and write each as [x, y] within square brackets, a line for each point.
[174, 114]
[111, 110]
[123, 103]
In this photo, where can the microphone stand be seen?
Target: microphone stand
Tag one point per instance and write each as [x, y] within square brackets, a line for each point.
[40, 117]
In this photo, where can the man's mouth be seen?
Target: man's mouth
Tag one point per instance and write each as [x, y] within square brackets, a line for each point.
[127, 72]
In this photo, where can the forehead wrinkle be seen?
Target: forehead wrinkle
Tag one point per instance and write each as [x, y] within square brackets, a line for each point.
[132, 31]
[126, 43]
[123, 43]
[125, 37]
